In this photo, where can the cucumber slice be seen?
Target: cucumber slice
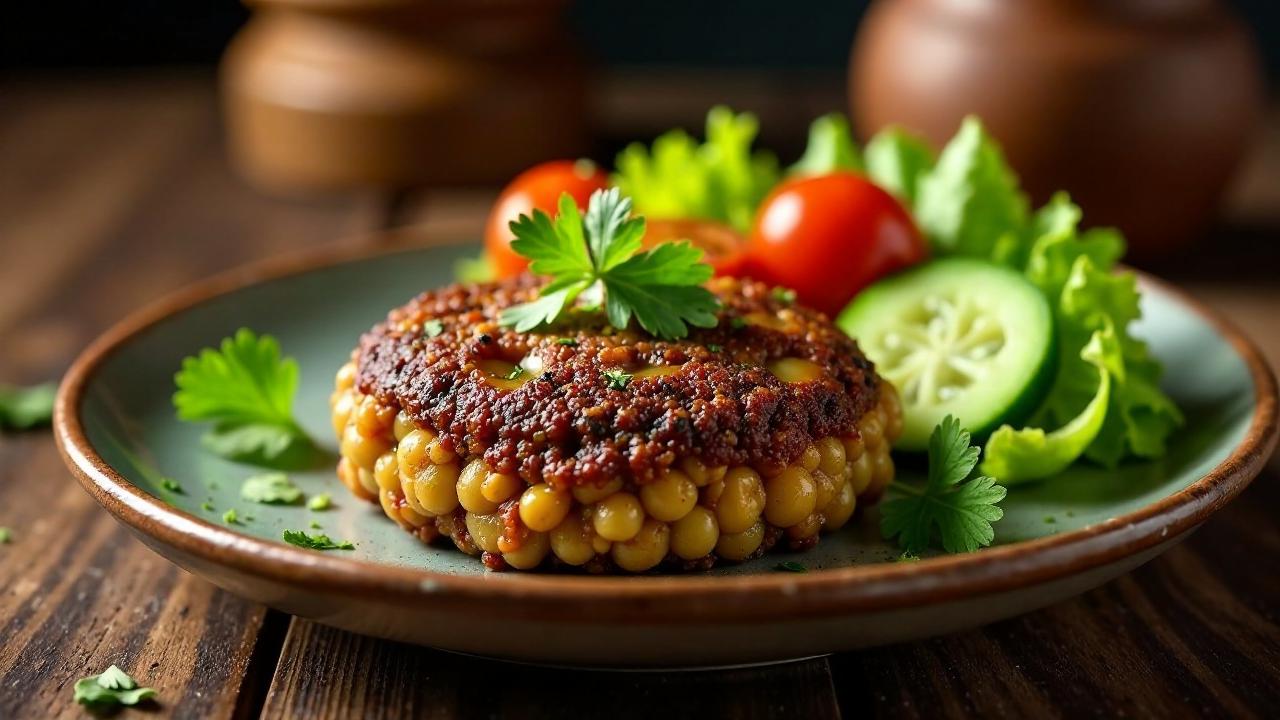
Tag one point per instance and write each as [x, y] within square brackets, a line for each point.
[956, 337]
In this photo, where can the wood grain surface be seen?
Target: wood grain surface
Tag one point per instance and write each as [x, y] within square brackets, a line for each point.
[114, 191]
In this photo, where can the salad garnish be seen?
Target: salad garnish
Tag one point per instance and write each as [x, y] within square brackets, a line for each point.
[246, 388]
[721, 179]
[271, 489]
[598, 257]
[959, 508]
[24, 408]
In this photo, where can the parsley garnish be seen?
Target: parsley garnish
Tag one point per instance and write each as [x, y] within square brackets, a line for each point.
[25, 408]
[320, 502]
[432, 328]
[516, 372]
[791, 566]
[246, 389]
[315, 525]
[5, 535]
[111, 689]
[170, 484]
[600, 252]
[230, 517]
[207, 506]
[318, 542]
[712, 347]
[617, 379]
[567, 342]
[270, 489]
[783, 295]
[737, 323]
[961, 509]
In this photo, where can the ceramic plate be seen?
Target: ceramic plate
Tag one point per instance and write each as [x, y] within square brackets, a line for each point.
[117, 430]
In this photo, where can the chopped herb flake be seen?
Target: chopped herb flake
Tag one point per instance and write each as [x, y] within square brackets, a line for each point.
[791, 566]
[315, 525]
[516, 372]
[783, 295]
[567, 342]
[432, 328]
[323, 501]
[737, 323]
[207, 506]
[271, 489]
[617, 379]
[5, 535]
[230, 517]
[317, 542]
[712, 347]
[171, 485]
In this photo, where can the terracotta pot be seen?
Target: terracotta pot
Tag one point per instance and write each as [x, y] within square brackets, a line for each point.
[337, 94]
[1140, 108]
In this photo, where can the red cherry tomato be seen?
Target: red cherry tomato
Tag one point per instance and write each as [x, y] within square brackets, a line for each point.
[538, 187]
[829, 236]
[723, 246]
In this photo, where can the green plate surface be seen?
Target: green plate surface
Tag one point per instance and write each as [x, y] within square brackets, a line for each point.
[318, 316]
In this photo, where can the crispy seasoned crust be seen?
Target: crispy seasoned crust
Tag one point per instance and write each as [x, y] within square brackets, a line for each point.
[712, 395]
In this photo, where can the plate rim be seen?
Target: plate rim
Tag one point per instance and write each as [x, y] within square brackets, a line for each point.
[666, 599]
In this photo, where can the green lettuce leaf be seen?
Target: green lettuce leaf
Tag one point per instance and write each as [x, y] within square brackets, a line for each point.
[831, 148]
[1013, 456]
[721, 179]
[970, 200]
[896, 160]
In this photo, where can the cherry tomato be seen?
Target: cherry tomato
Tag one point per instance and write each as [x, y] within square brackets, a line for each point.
[538, 187]
[722, 244]
[829, 236]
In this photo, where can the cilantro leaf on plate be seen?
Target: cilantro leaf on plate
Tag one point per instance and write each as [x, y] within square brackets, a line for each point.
[110, 689]
[246, 388]
[271, 489]
[660, 288]
[957, 510]
[24, 408]
[316, 542]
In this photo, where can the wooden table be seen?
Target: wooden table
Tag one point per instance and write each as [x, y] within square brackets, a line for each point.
[114, 191]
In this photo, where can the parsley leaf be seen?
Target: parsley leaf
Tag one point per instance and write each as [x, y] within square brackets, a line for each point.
[567, 342]
[171, 485]
[246, 388]
[962, 510]
[791, 566]
[432, 328]
[323, 501]
[661, 288]
[317, 542]
[617, 379]
[230, 517]
[271, 489]
[111, 689]
[5, 535]
[26, 408]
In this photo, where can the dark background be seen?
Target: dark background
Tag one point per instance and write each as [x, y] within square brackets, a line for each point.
[697, 33]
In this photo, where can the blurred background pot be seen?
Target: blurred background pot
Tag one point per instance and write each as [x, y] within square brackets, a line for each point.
[341, 94]
[1140, 108]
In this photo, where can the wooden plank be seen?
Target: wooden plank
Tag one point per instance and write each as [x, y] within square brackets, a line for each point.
[328, 673]
[115, 193]
[1193, 633]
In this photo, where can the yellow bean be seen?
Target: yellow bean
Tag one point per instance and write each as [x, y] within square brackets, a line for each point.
[346, 377]
[806, 528]
[386, 471]
[700, 473]
[832, 452]
[827, 486]
[362, 450]
[402, 425]
[740, 546]
[542, 507]
[695, 534]
[470, 492]
[853, 448]
[859, 473]
[791, 497]
[646, 549]
[343, 405]
[485, 530]
[618, 517]
[436, 488]
[882, 472]
[530, 554]
[373, 419]
[500, 487]
[841, 508]
[810, 458]
[670, 497]
[571, 540]
[412, 451]
[743, 499]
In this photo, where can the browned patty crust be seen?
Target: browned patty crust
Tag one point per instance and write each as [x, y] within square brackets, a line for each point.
[568, 424]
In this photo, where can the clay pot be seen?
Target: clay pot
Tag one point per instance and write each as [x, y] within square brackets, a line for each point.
[340, 94]
[1140, 108]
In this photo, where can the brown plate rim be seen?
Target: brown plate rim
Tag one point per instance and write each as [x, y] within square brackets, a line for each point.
[647, 599]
